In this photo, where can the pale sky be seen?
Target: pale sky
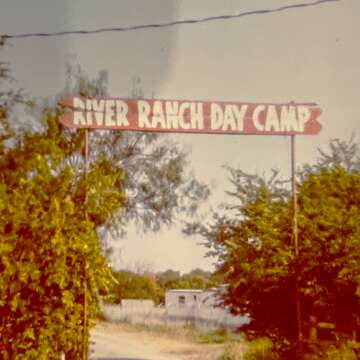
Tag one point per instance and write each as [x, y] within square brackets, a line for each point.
[306, 55]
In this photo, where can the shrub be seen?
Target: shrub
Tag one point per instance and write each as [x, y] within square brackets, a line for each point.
[260, 349]
[344, 352]
[233, 351]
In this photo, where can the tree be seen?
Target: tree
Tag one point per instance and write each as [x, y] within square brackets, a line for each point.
[195, 279]
[330, 233]
[146, 285]
[52, 217]
[135, 286]
[253, 243]
[158, 183]
[50, 247]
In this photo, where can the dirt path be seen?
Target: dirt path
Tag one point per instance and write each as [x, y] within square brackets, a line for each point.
[122, 342]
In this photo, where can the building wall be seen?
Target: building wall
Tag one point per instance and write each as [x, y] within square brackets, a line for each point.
[182, 298]
[182, 306]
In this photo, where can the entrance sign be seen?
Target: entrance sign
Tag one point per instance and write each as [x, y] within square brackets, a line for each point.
[179, 116]
[200, 117]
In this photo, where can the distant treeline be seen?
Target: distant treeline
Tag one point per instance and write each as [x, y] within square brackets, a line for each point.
[148, 285]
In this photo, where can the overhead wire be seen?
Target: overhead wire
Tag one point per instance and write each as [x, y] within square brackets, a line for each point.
[165, 24]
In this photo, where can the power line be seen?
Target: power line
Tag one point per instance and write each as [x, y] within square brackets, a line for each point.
[166, 24]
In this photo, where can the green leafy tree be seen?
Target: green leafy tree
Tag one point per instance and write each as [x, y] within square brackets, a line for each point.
[253, 242]
[49, 245]
[49, 249]
[158, 182]
[130, 285]
[52, 219]
[330, 253]
[190, 282]
[195, 279]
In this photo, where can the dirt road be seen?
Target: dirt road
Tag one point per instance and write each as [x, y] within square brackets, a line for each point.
[122, 342]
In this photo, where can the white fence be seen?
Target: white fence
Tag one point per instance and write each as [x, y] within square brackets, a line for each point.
[201, 317]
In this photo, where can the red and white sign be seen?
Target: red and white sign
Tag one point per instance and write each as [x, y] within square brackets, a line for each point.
[210, 117]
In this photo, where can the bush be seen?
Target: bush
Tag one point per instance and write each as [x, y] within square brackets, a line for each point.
[344, 352]
[260, 349]
[233, 351]
[218, 336]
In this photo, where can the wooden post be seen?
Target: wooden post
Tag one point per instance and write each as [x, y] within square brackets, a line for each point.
[294, 195]
[296, 238]
[85, 318]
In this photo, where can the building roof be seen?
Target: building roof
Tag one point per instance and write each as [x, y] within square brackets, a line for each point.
[185, 290]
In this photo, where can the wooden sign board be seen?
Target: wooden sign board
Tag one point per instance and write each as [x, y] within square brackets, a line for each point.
[200, 117]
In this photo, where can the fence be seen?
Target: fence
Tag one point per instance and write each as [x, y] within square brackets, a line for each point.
[201, 317]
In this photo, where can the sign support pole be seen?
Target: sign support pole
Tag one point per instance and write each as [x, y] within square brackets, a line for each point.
[296, 239]
[294, 195]
[85, 318]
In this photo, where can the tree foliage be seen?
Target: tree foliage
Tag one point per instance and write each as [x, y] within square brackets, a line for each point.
[130, 285]
[195, 279]
[147, 285]
[51, 217]
[158, 183]
[253, 242]
[49, 244]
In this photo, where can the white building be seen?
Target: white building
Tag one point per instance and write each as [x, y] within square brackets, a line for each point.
[191, 298]
[182, 298]
[182, 306]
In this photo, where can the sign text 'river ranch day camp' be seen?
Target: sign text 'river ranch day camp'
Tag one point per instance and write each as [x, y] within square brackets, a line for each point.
[191, 116]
